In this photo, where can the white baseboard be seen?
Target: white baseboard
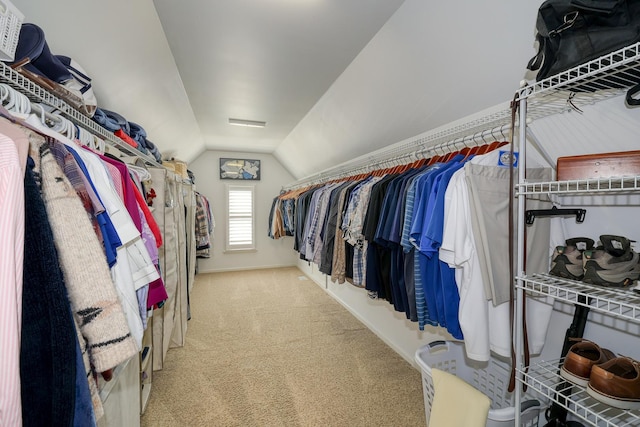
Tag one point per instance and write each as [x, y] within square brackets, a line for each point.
[257, 267]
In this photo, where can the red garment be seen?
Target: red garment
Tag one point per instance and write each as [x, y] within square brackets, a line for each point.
[126, 138]
[153, 225]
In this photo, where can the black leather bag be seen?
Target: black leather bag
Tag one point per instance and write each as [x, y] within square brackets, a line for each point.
[571, 32]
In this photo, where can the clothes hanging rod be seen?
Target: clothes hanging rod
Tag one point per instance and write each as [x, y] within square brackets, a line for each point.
[407, 153]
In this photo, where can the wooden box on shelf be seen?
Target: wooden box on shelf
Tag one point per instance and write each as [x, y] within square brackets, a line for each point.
[604, 165]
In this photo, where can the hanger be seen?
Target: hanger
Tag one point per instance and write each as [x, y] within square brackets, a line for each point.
[554, 211]
[398, 167]
[16, 102]
[452, 152]
[436, 158]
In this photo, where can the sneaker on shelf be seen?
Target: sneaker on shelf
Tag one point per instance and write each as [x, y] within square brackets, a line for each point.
[581, 358]
[613, 265]
[616, 383]
[567, 260]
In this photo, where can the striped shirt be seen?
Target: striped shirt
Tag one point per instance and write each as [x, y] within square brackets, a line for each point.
[11, 267]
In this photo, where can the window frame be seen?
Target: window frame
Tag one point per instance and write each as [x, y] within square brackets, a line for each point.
[250, 247]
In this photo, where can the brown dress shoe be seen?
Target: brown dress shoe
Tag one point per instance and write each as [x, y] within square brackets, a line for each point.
[616, 383]
[582, 356]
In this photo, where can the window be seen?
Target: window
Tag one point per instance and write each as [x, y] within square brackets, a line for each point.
[240, 215]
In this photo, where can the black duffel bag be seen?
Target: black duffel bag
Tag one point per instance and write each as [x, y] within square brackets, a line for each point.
[571, 32]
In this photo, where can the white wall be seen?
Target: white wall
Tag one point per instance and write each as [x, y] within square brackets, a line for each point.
[431, 63]
[269, 252]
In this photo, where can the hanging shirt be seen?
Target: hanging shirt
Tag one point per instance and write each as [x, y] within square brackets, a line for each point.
[330, 227]
[338, 263]
[110, 237]
[425, 298]
[442, 279]
[133, 268]
[458, 250]
[11, 268]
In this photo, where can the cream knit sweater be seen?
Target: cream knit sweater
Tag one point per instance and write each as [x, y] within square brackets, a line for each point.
[92, 293]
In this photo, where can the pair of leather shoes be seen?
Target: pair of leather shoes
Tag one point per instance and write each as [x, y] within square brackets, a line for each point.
[609, 379]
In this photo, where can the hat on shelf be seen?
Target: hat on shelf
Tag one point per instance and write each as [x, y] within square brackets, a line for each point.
[32, 45]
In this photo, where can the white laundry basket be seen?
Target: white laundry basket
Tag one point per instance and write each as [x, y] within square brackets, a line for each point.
[490, 378]
[10, 22]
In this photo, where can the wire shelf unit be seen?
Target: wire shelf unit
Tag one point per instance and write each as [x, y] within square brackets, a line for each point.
[37, 94]
[621, 184]
[592, 82]
[544, 378]
[623, 303]
[609, 76]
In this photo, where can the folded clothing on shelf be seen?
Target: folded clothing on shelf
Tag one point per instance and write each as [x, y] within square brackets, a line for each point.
[105, 121]
[130, 132]
[138, 133]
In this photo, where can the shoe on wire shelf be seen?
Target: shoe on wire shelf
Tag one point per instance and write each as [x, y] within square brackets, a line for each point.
[614, 264]
[567, 262]
[616, 383]
[581, 358]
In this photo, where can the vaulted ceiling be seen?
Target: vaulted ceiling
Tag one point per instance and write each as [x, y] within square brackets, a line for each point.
[182, 69]
[263, 60]
[332, 79]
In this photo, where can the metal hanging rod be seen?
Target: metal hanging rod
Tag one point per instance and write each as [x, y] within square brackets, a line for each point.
[404, 154]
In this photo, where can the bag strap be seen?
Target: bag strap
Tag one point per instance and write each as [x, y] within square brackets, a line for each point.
[536, 62]
[629, 98]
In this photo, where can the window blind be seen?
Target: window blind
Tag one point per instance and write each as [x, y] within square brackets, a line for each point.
[240, 233]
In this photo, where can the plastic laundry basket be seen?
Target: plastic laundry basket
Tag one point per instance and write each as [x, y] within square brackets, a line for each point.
[10, 22]
[491, 378]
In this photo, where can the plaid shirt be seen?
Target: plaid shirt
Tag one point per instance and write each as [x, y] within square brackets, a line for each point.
[317, 219]
[307, 224]
[322, 213]
[354, 231]
[338, 267]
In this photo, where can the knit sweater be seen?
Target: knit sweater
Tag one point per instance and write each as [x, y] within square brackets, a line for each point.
[48, 351]
[91, 290]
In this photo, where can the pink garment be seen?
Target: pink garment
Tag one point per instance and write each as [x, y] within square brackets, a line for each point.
[116, 178]
[11, 267]
[127, 188]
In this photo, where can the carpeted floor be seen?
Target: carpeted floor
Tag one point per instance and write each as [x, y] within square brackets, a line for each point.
[265, 348]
